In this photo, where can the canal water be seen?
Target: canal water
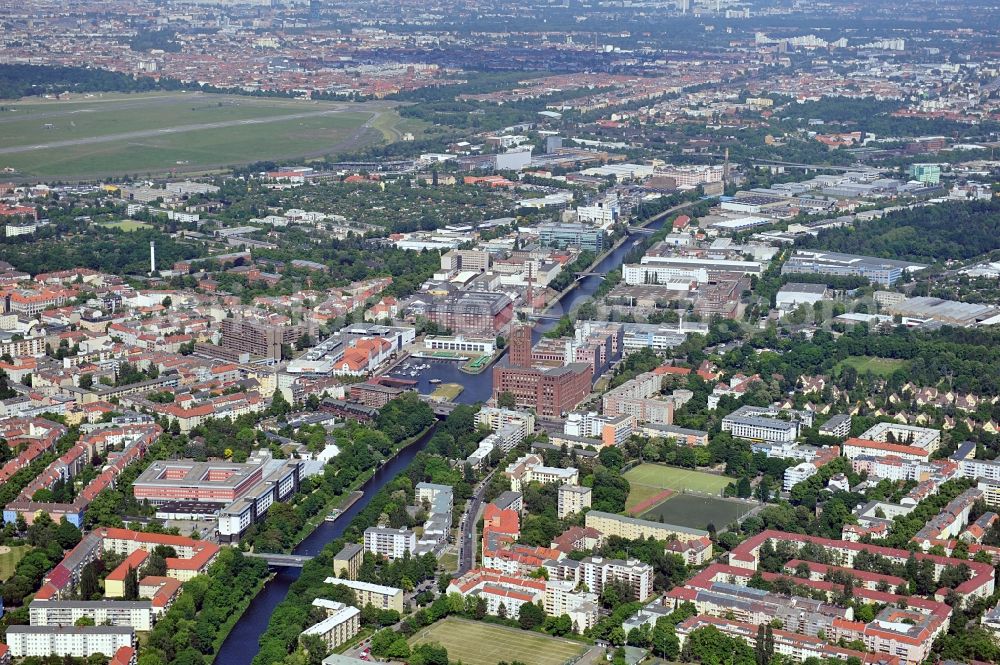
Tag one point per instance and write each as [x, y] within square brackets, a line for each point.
[241, 645]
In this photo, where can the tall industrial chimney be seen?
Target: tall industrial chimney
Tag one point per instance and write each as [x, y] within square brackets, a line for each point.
[152, 257]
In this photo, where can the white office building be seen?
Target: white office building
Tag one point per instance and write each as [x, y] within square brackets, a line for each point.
[676, 278]
[603, 216]
[461, 344]
[709, 264]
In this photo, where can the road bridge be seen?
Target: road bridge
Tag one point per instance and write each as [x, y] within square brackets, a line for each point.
[281, 560]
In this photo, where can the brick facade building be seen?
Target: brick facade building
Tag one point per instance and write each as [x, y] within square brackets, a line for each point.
[551, 392]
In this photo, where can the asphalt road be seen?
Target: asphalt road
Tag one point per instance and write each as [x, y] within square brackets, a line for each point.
[467, 538]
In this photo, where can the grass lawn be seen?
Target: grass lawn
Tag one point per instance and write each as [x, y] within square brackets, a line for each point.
[877, 366]
[697, 512]
[657, 477]
[447, 392]
[127, 225]
[9, 560]
[476, 643]
[392, 126]
[448, 561]
[110, 134]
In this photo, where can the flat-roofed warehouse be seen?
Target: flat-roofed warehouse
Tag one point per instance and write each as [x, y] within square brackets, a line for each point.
[874, 269]
[950, 312]
[185, 480]
[793, 294]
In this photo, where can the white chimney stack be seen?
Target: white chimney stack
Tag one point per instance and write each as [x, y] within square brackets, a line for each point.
[152, 257]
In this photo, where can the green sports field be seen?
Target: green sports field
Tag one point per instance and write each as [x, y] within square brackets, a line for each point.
[657, 477]
[475, 643]
[98, 135]
[694, 497]
[697, 511]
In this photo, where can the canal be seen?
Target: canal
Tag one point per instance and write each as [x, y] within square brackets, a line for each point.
[240, 646]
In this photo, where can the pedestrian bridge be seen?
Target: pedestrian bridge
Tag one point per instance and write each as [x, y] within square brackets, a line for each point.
[281, 560]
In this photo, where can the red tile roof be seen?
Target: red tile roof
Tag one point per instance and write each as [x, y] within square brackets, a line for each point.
[132, 561]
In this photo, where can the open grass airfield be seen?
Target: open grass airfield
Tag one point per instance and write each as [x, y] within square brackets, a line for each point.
[116, 134]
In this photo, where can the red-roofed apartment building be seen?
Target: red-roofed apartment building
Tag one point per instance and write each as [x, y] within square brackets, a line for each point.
[857, 447]
[499, 589]
[193, 557]
[518, 559]
[500, 527]
[906, 633]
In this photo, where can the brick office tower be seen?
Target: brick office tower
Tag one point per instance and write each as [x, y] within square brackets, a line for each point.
[520, 346]
[549, 391]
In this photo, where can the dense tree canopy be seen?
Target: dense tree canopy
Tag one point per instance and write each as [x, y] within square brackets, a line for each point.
[948, 231]
[26, 80]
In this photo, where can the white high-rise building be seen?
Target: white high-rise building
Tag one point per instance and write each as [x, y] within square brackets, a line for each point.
[796, 474]
[573, 499]
[390, 543]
